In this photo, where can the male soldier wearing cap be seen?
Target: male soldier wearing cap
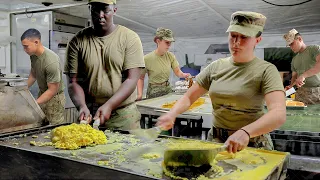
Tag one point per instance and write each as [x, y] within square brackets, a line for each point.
[158, 65]
[46, 70]
[305, 68]
[238, 86]
[104, 64]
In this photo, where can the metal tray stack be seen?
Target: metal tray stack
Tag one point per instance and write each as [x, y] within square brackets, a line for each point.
[304, 148]
[298, 143]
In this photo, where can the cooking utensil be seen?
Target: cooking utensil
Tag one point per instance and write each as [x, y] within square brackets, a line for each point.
[290, 91]
[95, 124]
[149, 135]
[191, 157]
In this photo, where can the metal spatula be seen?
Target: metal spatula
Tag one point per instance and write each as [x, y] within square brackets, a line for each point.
[191, 157]
[149, 135]
[290, 91]
[95, 125]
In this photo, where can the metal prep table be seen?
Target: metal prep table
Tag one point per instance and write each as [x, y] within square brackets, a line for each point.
[197, 119]
[20, 160]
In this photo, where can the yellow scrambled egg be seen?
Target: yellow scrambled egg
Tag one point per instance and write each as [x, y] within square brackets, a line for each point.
[103, 163]
[264, 161]
[197, 103]
[75, 136]
[151, 156]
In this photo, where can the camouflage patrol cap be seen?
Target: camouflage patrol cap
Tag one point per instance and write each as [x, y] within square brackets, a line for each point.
[103, 1]
[289, 37]
[247, 23]
[165, 34]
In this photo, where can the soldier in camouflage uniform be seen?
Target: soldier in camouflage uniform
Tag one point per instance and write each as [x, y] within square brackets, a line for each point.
[305, 68]
[103, 65]
[238, 86]
[158, 66]
[46, 70]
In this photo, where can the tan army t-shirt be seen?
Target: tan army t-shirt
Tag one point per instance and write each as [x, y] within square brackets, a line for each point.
[47, 69]
[100, 62]
[237, 90]
[158, 67]
[304, 61]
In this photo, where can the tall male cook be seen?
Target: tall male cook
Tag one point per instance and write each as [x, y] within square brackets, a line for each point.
[103, 65]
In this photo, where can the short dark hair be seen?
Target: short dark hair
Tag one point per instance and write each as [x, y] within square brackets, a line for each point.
[156, 37]
[258, 34]
[31, 33]
[297, 35]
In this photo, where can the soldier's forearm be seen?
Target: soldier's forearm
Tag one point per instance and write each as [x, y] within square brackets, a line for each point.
[311, 72]
[293, 79]
[314, 70]
[178, 72]
[31, 80]
[77, 95]
[46, 96]
[273, 119]
[126, 89]
[140, 87]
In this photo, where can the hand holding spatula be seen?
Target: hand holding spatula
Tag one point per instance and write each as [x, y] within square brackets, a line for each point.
[149, 135]
[192, 156]
[96, 122]
[87, 120]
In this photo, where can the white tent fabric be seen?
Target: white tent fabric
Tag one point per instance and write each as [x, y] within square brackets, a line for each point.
[205, 18]
[198, 23]
[197, 18]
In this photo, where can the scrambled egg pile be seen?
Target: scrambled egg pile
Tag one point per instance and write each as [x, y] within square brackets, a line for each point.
[151, 156]
[197, 103]
[103, 163]
[190, 144]
[250, 158]
[294, 103]
[75, 136]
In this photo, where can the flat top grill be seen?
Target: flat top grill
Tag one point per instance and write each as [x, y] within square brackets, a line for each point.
[126, 153]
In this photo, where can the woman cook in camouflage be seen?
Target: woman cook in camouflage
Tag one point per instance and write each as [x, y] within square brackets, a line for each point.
[238, 86]
[158, 65]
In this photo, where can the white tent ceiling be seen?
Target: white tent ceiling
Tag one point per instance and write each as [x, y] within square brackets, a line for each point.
[193, 18]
